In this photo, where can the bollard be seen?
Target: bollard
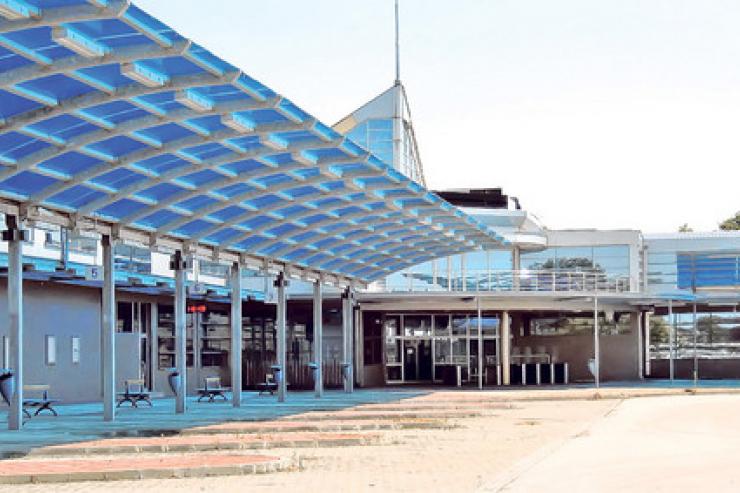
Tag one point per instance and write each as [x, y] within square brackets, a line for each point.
[173, 378]
[7, 384]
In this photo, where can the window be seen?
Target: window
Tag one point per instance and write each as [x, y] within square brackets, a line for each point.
[52, 235]
[6, 351]
[83, 243]
[373, 339]
[51, 350]
[213, 269]
[75, 350]
[133, 259]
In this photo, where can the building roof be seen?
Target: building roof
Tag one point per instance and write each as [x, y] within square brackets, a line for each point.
[112, 120]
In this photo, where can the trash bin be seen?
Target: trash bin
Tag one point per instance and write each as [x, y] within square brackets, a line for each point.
[346, 371]
[277, 371]
[7, 384]
[173, 378]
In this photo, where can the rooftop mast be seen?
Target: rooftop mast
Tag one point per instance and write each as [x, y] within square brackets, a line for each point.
[398, 48]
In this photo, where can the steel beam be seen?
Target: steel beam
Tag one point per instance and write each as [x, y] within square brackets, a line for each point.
[236, 334]
[109, 330]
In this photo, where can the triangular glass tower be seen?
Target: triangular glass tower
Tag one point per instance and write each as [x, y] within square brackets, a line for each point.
[383, 126]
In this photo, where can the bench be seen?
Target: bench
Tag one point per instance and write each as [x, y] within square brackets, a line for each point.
[269, 385]
[41, 402]
[212, 390]
[134, 392]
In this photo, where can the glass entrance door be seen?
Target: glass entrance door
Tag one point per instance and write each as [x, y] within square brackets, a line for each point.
[417, 364]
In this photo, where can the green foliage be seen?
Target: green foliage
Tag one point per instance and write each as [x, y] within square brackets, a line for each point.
[731, 224]
[685, 228]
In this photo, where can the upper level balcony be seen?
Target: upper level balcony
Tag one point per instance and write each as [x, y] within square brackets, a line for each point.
[525, 280]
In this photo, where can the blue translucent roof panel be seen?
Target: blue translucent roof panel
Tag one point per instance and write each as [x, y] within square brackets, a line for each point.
[107, 113]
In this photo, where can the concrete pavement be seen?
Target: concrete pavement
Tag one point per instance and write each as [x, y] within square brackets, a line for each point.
[676, 443]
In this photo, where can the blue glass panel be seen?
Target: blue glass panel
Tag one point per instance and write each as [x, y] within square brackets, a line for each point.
[122, 208]
[26, 183]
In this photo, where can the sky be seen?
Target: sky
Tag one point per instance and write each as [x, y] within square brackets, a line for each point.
[605, 114]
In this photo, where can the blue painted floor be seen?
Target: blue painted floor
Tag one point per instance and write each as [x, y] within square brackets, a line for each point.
[81, 422]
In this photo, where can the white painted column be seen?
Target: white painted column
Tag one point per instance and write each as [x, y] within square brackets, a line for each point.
[109, 330]
[516, 266]
[671, 342]
[480, 343]
[280, 284]
[696, 340]
[505, 341]
[636, 326]
[347, 330]
[597, 356]
[14, 236]
[647, 343]
[318, 338]
[179, 265]
[153, 344]
[236, 334]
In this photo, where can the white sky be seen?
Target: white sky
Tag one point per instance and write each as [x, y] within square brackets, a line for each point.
[608, 113]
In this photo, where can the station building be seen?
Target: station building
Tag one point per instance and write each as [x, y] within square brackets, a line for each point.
[454, 287]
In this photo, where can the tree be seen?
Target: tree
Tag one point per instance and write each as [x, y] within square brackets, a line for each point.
[685, 228]
[731, 224]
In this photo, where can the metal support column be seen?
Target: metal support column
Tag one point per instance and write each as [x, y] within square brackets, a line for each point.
[347, 331]
[109, 330]
[153, 345]
[236, 334]
[318, 338]
[280, 284]
[15, 236]
[597, 368]
[179, 265]
[505, 341]
[516, 267]
[671, 342]
[480, 343]
[647, 343]
[636, 327]
[696, 354]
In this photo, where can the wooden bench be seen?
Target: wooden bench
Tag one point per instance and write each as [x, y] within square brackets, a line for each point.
[134, 392]
[212, 390]
[269, 385]
[41, 402]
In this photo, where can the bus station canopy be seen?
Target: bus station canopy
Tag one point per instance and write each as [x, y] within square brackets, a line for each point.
[113, 122]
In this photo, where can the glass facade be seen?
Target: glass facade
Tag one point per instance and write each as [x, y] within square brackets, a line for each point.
[612, 260]
[679, 264]
[376, 136]
[423, 347]
[717, 335]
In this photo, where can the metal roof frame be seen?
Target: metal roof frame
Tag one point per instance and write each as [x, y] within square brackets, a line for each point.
[112, 122]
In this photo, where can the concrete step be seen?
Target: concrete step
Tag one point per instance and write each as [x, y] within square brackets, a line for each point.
[337, 425]
[51, 470]
[204, 443]
[387, 415]
[480, 406]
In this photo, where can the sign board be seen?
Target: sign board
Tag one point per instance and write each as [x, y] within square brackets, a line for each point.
[93, 273]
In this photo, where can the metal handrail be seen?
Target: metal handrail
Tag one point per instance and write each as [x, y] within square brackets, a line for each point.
[525, 280]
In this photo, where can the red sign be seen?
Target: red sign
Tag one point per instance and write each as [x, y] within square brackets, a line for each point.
[196, 308]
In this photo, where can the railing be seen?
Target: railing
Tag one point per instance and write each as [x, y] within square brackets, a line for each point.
[512, 281]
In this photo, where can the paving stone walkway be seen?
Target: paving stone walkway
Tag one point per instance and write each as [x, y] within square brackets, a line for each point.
[67, 470]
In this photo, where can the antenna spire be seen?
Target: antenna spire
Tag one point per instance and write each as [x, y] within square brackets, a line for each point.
[398, 48]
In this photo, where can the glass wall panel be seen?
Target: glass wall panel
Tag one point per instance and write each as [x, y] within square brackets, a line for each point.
[417, 325]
